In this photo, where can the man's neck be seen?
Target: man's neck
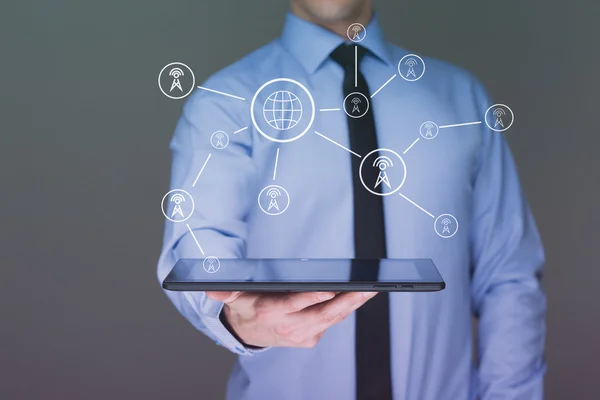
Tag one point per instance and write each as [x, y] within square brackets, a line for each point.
[339, 27]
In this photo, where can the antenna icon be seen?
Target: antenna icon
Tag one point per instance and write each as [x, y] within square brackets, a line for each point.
[446, 222]
[177, 205]
[382, 162]
[355, 101]
[177, 199]
[411, 62]
[273, 193]
[219, 140]
[499, 113]
[356, 32]
[176, 73]
[273, 200]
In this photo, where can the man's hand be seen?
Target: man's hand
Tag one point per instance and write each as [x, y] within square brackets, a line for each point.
[286, 319]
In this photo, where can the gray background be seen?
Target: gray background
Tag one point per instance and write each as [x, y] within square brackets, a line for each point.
[84, 161]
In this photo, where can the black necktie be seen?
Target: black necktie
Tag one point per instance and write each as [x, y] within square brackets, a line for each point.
[373, 367]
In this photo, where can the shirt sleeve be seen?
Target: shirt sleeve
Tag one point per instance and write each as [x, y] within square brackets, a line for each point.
[506, 294]
[222, 195]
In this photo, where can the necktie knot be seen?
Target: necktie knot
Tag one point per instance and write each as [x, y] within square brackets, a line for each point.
[345, 55]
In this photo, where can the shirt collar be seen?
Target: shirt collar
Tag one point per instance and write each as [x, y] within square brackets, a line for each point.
[311, 44]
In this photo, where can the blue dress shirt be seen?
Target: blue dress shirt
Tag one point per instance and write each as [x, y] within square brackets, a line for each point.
[491, 266]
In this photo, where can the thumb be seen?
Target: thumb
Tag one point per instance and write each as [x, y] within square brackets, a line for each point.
[225, 297]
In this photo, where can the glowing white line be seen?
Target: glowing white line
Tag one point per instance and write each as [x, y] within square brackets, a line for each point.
[224, 94]
[409, 147]
[330, 109]
[355, 66]
[416, 205]
[201, 169]
[195, 240]
[239, 130]
[382, 86]
[337, 144]
[276, 160]
[466, 123]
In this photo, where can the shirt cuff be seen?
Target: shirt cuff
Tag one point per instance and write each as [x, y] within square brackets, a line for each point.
[209, 311]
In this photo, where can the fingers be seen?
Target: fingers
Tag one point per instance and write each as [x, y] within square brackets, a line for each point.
[323, 316]
[287, 303]
[225, 297]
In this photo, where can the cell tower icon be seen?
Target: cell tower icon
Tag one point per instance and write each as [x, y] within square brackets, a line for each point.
[356, 29]
[177, 199]
[176, 73]
[382, 162]
[428, 126]
[355, 101]
[446, 222]
[411, 62]
[499, 113]
[273, 193]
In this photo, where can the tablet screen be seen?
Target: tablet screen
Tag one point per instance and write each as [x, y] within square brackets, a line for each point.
[302, 270]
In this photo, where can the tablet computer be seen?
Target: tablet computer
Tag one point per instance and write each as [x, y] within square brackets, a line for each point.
[304, 275]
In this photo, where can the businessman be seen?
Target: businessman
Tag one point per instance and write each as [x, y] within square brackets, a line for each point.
[360, 345]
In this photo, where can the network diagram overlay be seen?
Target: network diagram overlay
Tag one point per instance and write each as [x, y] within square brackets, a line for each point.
[282, 115]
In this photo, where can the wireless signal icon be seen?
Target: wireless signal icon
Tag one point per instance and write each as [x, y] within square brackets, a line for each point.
[409, 65]
[356, 32]
[446, 222]
[355, 101]
[428, 126]
[273, 200]
[499, 113]
[411, 62]
[273, 193]
[428, 130]
[448, 225]
[170, 76]
[177, 205]
[177, 199]
[382, 162]
[219, 140]
[176, 73]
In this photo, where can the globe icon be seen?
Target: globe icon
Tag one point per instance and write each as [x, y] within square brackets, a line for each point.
[282, 110]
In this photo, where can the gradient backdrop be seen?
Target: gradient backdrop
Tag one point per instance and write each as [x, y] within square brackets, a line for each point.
[84, 161]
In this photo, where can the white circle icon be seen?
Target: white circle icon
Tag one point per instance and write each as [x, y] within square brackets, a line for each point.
[356, 105]
[273, 200]
[411, 67]
[446, 226]
[211, 264]
[283, 113]
[385, 171]
[219, 140]
[356, 32]
[176, 80]
[499, 117]
[429, 130]
[177, 205]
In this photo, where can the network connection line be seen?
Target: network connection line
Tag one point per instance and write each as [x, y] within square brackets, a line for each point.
[337, 144]
[410, 147]
[195, 240]
[329, 109]
[382, 86]
[453, 125]
[416, 205]
[276, 161]
[355, 66]
[223, 93]
[240, 130]
[201, 169]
